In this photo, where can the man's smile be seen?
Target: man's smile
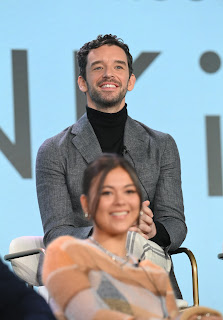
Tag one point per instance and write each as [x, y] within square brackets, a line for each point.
[108, 85]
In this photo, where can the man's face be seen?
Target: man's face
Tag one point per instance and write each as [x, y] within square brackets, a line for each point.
[107, 79]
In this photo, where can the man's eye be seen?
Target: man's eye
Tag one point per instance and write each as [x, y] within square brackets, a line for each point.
[97, 68]
[119, 67]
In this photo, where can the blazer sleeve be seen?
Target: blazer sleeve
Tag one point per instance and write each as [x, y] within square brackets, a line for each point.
[168, 205]
[57, 214]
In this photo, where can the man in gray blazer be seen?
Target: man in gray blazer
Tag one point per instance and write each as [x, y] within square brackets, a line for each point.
[105, 77]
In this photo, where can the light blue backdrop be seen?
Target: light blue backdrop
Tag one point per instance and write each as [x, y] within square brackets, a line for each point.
[173, 95]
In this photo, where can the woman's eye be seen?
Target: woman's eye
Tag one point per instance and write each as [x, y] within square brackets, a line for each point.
[131, 191]
[105, 193]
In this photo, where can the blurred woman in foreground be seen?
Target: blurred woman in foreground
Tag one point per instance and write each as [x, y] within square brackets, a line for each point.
[96, 278]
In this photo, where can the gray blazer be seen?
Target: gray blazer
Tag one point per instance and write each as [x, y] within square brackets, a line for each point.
[61, 161]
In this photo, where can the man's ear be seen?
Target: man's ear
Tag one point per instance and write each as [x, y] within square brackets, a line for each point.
[131, 82]
[84, 203]
[82, 84]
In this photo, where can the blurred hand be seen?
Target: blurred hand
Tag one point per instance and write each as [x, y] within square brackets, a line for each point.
[146, 225]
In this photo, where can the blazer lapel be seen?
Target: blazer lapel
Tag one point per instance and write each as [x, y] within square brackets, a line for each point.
[85, 139]
[138, 152]
[136, 140]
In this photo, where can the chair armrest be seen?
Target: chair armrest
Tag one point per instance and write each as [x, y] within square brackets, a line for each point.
[220, 256]
[20, 254]
[194, 272]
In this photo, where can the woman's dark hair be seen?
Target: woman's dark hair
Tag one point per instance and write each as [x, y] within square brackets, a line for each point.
[96, 173]
[108, 39]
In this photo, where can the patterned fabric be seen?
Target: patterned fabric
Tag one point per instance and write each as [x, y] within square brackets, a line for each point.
[143, 249]
[87, 284]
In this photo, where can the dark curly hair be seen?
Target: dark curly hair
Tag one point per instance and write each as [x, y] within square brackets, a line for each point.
[108, 39]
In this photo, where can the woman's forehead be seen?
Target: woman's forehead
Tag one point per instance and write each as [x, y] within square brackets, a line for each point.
[117, 176]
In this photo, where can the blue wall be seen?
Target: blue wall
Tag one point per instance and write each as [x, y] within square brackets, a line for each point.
[174, 94]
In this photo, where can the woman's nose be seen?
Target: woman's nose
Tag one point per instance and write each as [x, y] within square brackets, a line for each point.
[119, 199]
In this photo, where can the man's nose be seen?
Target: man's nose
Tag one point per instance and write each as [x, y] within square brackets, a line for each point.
[108, 72]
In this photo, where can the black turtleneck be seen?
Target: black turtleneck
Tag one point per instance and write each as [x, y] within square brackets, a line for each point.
[109, 128]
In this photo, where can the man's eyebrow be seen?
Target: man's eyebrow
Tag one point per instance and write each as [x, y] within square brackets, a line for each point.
[121, 62]
[100, 61]
[96, 62]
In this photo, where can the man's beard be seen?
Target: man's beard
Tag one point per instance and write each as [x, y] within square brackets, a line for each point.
[105, 102]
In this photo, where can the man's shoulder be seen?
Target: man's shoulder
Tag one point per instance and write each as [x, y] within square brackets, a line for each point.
[64, 137]
[155, 135]
[55, 144]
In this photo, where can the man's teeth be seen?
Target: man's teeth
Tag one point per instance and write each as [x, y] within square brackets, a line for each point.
[119, 213]
[108, 86]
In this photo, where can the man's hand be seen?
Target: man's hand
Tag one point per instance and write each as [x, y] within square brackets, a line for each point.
[146, 226]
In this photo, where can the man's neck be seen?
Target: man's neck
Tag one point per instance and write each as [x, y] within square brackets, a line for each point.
[111, 109]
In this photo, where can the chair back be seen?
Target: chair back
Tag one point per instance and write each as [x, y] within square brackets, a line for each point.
[26, 267]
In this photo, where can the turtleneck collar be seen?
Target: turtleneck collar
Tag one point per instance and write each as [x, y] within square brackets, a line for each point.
[109, 128]
[105, 119]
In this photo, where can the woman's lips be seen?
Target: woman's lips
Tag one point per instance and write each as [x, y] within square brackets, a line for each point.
[118, 214]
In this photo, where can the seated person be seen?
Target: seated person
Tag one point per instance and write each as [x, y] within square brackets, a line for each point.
[18, 301]
[96, 278]
[107, 127]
